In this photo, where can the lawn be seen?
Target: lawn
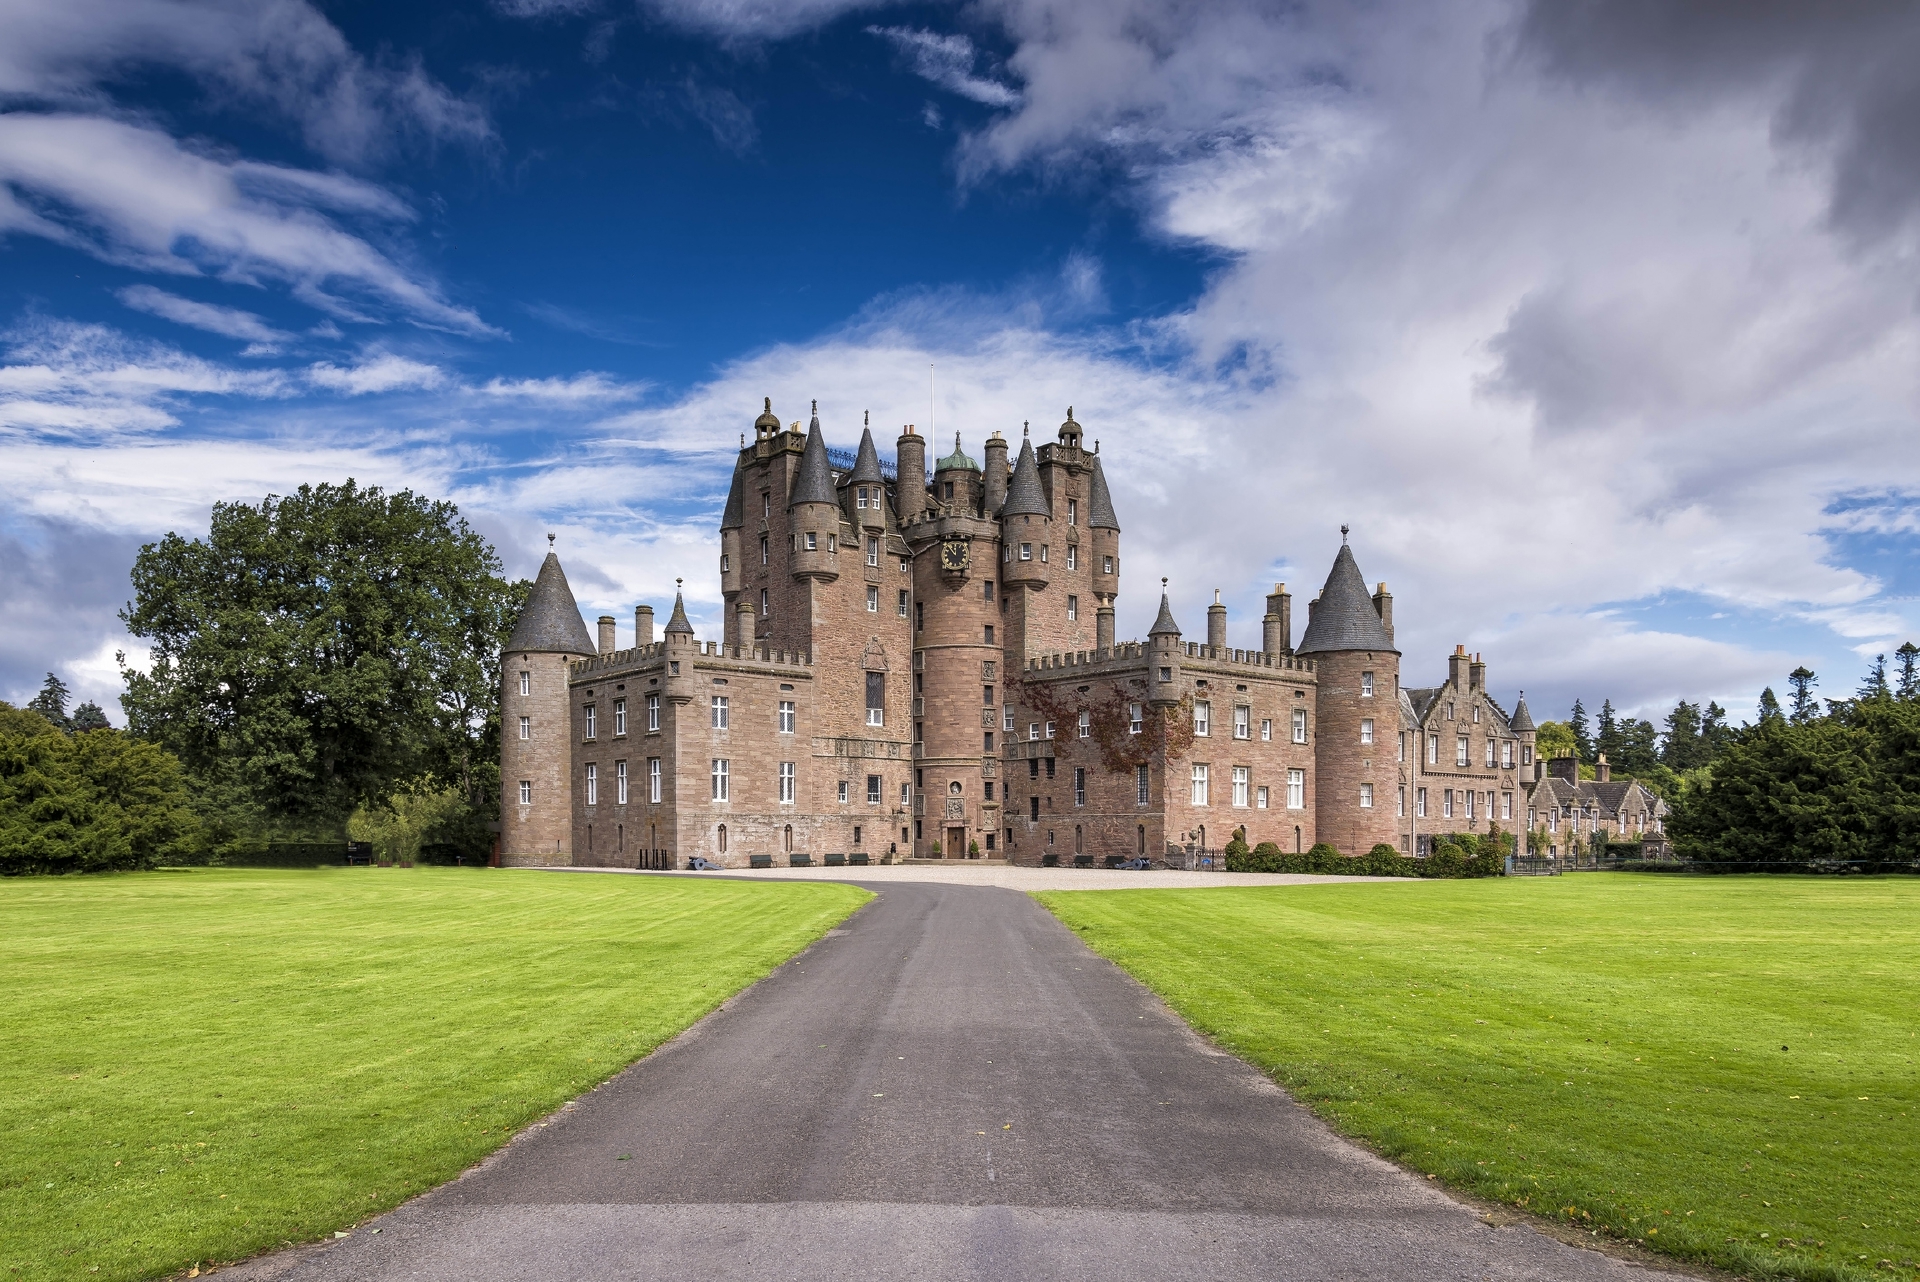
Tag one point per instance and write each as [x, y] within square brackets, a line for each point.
[196, 1066]
[1718, 1068]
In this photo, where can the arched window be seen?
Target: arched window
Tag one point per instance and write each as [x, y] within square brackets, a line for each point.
[723, 839]
[788, 837]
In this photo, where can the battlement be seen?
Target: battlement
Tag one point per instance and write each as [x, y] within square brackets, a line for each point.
[641, 656]
[1128, 652]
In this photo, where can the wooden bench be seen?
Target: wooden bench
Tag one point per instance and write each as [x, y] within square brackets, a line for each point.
[799, 861]
[1083, 861]
[760, 861]
[836, 861]
[857, 860]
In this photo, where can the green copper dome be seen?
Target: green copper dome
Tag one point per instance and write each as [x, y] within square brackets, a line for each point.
[956, 459]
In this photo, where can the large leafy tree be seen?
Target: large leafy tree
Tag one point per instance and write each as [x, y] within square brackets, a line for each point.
[319, 649]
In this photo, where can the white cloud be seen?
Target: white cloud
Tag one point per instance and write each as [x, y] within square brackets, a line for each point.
[755, 19]
[378, 372]
[228, 321]
[133, 195]
[947, 61]
[579, 389]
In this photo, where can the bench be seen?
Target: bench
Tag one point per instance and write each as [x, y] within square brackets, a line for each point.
[760, 861]
[1049, 861]
[1083, 861]
[857, 860]
[799, 861]
[836, 861]
[1114, 861]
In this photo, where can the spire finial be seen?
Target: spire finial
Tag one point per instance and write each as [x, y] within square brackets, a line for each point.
[1096, 445]
[866, 418]
[1163, 583]
[677, 583]
[549, 540]
[956, 442]
[767, 403]
[743, 440]
[816, 405]
[1026, 427]
[1069, 413]
[1343, 534]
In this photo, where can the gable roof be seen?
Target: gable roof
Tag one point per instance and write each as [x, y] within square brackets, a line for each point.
[1025, 495]
[1100, 503]
[1344, 617]
[550, 622]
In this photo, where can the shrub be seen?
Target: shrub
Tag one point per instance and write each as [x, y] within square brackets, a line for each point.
[96, 802]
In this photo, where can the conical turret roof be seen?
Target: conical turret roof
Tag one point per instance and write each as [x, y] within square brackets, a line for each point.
[1025, 495]
[814, 482]
[1521, 722]
[866, 465]
[1100, 503]
[736, 514]
[550, 622]
[678, 623]
[1344, 617]
[1164, 624]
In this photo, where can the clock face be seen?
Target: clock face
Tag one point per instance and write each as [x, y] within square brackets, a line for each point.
[953, 555]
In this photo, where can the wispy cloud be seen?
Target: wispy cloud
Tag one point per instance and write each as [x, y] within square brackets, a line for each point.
[948, 61]
[377, 372]
[230, 322]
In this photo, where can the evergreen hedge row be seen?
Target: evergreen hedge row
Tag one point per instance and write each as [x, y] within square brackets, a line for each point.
[1453, 855]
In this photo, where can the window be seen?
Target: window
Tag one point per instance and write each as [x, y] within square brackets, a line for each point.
[1266, 730]
[720, 712]
[1476, 714]
[590, 720]
[1506, 805]
[1449, 711]
[1241, 782]
[526, 683]
[1299, 725]
[949, 491]
[1296, 790]
[1050, 762]
[721, 834]
[1033, 767]
[1446, 803]
[876, 698]
[873, 551]
[526, 727]
[1466, 799]
[653, 712]
[843, 792]
[986, 742]
[833, 543]
[989, 635]
[786, 782]
[1366, 730]
[1006, 720]
[765, 608]
[1489, 754]
[1073, 557]
[1199, 785]
[1073, 511]
[1033, 811]
[1506, 753]
[813, 541]
[1242, 722]
[786, 716]
[1141, 793]
[1400, 747]
[526, 792]
[1420, 803]
[1202, 713]
[1106, 565]
[920, 617]
[1460, 751]
[764, 555]
[1026, 551]
[720, 778]
[873, 790]
[766, 503]
[1073, 609]
[1134, 721]
[1033, 731]
[873, 599]
[986, 789]
[1366, 685]
[653, 779]
[860, 497]
[1526, 754]
[1366, 796]
[1086, 725]
[1049, 732]
[1079, 785]
[986, 591]
[1400, 802]
[986, 695]
[593, 784]
[903, 603]
[1043, 552]
[1260, 797]
[620, 782]
[905, 795]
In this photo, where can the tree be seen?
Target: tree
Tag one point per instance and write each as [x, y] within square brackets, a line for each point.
[1802, 681]
[1577, 723]
[1769, 709]
[1681, 749]
[1636, 751]
[1608, 738]
[1715, 733]
[1874, 685]
[1907, 657]
[88, 802]
[88, 716]
[51, 702]
[322, 648]
[1553, 739]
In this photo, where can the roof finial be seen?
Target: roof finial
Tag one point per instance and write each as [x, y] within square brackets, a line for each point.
[677, 583]
[1163, 583]
[816, 405]
[1096, 445]
[1343, 534]
[743, 440]
[866, 418]
[1026, 427]
[549, 540]
[1216, 596]
[956, 441]
[768, 403]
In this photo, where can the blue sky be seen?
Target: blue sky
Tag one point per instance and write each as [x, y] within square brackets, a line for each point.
[1597, 323]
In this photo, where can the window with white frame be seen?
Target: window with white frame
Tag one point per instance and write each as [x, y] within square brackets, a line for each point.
[901, 604]
[1202, 714]
[1400, 746]
[720, 713]
[1366, 685]
[873, 551]
[813, 541]
[843, 792]
[1242, 782]
[1366, 730]
[873, 790]
[720, 767]
[1079, 785]
[1466, 799]
[1006, 719]
[1446, 803]
[1366, 796]
[1142, 786]
[1073, 556]
[873, 599]
[1073, 511]
[1049, 729]
[1085, 725]
[526, 683]
[590, 720]
[1266, 729]
[1506, 805]
[766, 607]
[1043, 551]
[1296, 790]
[786, 782]
[653, 712]
[1433, 749]
[1461, 754]
[1420, 803]
[765, 552]
[1033, 731]
[619, 716]
[906, 794]
[1400, 802]
[593, 784]
[1260, 797]
[620, 782]
[526, 792]
[1199, 784]
[1506, 754]
[1106, 565]
[1026, 551]
[653, 779]
[1476, 714]
[860, 497]
[1073, 609]
[787, 717]
[876, 698]
[1242, 721]
[526, 727]
[1299, 725]
[1489, 754]
[1134, 721]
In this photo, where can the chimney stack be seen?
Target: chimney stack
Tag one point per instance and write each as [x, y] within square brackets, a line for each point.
[1383, 606]
[995, 475]
[1601, 771]
[1276, 630]
[1476, 674]
[1457, 668]
[1217, 623]
[1103, 624]
[606, 634]
[910, 485]
[642, 625]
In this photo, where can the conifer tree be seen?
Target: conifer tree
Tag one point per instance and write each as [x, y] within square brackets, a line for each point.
[1608, 739]
[1582, 738]
[1906, 657]
[1682, 748]
[1769, 709]
[88, 716]
[1875, 684]
[1802, 681]
[51, 702]
[1715, 733]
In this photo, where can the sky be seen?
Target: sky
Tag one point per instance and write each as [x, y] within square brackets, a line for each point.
[1596, 322]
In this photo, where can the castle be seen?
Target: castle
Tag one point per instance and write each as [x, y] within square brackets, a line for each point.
[923, 665]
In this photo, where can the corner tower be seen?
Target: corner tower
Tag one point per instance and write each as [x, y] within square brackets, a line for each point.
[536, 748]
[1357, 711]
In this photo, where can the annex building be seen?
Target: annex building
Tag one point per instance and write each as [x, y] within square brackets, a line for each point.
[921, 664]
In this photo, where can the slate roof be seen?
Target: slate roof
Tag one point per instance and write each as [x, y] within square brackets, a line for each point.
[678, 623]
[1522, 720]
[1100, 503]
[550, 623]
[866, 466]
[736, 514]
[1164, 623]
[1607, 799]
[813, 483]
[1025, 495]
[1344, 618]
